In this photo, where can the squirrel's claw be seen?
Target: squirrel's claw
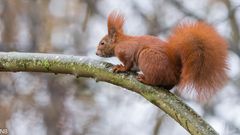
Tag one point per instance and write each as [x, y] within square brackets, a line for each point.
[141, 78]
[119, 68]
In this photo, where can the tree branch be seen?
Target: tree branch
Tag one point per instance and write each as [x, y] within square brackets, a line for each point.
[101, 71]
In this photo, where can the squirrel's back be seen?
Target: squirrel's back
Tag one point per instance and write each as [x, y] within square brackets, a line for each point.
[203, 54]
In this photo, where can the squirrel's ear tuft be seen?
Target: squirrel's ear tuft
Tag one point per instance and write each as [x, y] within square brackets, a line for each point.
[115, 24]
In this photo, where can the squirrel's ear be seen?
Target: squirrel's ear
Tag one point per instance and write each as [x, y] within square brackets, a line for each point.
[112, 34]
[115, 24]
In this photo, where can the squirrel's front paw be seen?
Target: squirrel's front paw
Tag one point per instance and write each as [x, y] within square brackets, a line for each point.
[119, 68]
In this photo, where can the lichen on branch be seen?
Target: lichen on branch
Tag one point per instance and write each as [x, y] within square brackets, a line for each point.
[101, 71]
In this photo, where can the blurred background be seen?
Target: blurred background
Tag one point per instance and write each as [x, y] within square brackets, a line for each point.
[48, 104]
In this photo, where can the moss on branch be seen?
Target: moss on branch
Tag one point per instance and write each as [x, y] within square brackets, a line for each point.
[101, 71]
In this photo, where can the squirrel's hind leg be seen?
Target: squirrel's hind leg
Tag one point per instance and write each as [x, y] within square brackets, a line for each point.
[141, 78]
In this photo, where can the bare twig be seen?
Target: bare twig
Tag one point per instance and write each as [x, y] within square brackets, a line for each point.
[184, 10]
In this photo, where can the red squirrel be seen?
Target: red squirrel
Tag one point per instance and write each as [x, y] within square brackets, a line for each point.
[193, 58]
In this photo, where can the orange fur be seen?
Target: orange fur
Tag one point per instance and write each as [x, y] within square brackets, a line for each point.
[193, 57]
[203, 53]
[115, 23]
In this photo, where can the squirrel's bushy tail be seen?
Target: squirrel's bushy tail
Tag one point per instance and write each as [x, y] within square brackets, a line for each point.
[203, 54]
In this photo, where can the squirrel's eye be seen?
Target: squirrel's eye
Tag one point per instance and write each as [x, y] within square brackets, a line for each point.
[102, 43]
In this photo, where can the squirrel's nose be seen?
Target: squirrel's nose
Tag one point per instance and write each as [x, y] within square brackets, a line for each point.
[97, 54]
